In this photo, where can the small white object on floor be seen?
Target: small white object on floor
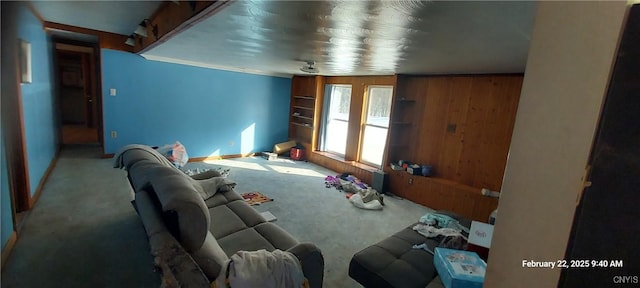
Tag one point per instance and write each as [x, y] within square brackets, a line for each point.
[356, 200]
[268, 216]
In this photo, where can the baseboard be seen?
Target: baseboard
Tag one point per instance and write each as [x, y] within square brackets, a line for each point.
[208, 158]
[8, 247]
[36, 196]
[109, 155]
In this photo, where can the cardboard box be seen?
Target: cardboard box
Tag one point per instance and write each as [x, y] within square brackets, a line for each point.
[459, 269]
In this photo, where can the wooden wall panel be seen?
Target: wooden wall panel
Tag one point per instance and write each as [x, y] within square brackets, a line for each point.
[474, 152]
[432, 127]
[452, 140]
[442, 194]
[466, 159]
[465, 127]
[498, 131]
[106, 40]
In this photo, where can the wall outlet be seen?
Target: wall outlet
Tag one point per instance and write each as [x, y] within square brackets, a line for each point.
[112, 91]
[114, 134]
[410, 181]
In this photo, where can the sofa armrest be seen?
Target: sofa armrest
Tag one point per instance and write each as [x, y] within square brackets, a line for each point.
[178, 268]
[312, 262]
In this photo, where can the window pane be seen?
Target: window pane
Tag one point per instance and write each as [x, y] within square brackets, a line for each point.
[337, 122]
[379, 108]
[340, 103]
[373, 144]
[376, 124]
[336, 138]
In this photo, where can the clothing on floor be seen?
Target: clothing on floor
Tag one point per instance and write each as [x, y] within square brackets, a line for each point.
[356, 200]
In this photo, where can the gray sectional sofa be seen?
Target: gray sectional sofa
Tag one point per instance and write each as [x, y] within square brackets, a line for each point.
[192, 237]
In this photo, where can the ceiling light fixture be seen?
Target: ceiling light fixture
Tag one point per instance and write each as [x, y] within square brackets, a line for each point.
[310, 67]
[142, 28]
[130, 41]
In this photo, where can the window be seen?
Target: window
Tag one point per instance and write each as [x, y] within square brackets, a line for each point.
[376, 124]
[334, 138]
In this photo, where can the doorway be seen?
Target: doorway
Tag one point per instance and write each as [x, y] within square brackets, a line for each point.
[78, 91]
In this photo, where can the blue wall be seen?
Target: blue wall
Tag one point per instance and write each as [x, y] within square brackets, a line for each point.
[5, 199]
[211, 112]
[38, 99]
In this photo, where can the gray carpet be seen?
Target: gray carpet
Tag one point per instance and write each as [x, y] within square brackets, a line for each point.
[83, 231]
[313, 213]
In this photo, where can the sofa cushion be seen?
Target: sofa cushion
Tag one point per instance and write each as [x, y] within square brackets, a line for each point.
[266, 236]
[223, 198]
[233, 217]
[176, 194]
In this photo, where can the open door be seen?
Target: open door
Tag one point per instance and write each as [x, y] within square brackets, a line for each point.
[606, 228]
[78, 93]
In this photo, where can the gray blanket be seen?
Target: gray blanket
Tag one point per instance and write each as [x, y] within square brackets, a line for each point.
[119, 161]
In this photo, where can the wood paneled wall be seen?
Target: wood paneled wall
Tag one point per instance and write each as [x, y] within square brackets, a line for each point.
[442, 194]
[464, 126]
[106, 40]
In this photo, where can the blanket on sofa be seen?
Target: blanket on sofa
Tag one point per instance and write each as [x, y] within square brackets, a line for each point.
[248, 269]
[119, 162]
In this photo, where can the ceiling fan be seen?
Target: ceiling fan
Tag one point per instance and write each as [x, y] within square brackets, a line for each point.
[310, 67]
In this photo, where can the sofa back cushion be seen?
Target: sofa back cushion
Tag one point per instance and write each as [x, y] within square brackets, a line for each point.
[183, 204]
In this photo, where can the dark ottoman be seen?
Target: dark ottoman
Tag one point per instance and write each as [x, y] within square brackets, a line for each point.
[393, 262]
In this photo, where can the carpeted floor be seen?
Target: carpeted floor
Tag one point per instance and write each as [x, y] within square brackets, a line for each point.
[313, 213]
[83, 231]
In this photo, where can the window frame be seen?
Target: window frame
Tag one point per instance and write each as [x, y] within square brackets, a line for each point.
[364, 120]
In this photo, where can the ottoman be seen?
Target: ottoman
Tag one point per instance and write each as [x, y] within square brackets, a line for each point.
[393, 262]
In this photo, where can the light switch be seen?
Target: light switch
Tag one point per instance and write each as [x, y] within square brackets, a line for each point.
[112, 91]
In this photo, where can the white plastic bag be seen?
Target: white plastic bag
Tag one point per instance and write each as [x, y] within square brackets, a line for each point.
[176, 153]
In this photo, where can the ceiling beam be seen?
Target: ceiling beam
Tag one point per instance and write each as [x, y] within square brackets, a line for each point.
[106, 40]
[174, 17]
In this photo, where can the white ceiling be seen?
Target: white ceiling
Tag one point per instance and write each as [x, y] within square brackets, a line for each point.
[121, 17]
[360, 37]
[344, 37]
